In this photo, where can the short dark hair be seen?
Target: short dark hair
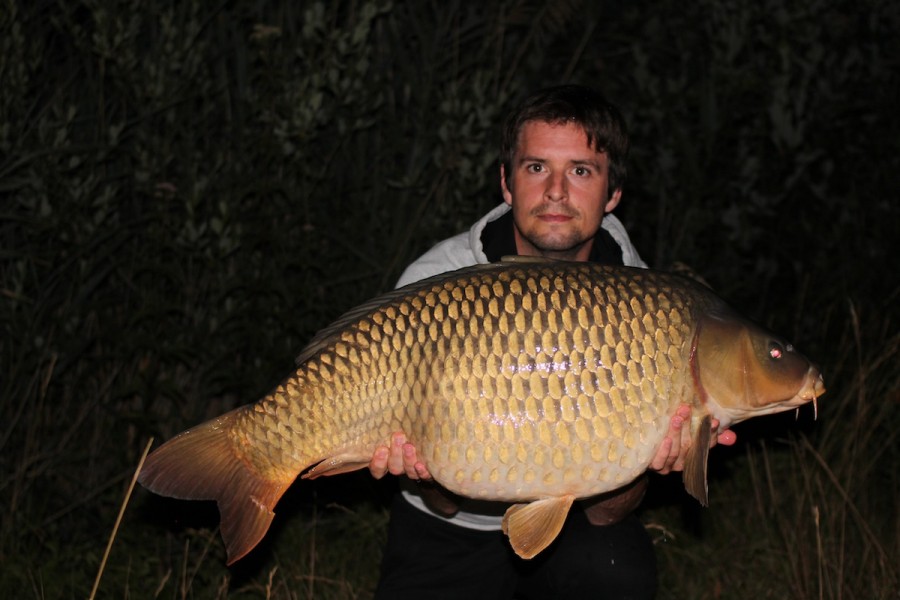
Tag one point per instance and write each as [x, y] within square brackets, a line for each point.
[601, 121]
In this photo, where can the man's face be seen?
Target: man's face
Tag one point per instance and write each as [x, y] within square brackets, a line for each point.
[558, 191]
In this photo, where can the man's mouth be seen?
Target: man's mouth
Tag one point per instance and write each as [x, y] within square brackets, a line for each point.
[554, 217]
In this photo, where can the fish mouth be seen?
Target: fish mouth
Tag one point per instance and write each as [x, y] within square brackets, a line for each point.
[813, 387]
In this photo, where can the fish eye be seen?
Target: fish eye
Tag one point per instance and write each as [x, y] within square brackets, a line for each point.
[775, 350]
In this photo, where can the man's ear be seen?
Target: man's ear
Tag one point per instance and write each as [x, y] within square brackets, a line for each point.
[507, 195]
[613, 201]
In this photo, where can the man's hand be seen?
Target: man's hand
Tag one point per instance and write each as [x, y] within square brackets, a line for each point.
[399, 459]
[671, 454]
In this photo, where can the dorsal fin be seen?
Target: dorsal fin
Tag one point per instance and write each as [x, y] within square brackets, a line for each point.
[527, 260]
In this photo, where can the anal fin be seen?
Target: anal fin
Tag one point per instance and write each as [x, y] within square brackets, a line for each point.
[532, 527]
[339, 463]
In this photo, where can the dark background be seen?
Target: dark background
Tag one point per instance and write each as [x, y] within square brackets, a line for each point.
[189, 190]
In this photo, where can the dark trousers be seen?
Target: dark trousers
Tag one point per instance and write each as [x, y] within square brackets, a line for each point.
[427, 557]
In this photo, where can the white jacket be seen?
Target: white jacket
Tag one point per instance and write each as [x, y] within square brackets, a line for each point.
[465, 250]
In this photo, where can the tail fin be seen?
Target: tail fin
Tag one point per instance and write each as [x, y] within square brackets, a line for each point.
[202, 463]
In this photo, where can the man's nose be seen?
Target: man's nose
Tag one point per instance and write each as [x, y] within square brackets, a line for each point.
[557, 187]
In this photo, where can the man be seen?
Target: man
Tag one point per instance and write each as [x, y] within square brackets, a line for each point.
[562, 170]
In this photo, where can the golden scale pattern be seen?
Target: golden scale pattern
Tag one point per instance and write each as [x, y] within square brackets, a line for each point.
[514, 384]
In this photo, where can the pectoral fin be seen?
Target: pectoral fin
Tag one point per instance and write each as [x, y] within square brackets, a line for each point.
[340, 463]
[695, 462]
[532, 527]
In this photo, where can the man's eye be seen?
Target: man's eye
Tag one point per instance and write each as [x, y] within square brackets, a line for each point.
[535, 168]
[582, 171]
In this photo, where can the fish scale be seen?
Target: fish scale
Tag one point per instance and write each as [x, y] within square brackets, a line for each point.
[532, 382]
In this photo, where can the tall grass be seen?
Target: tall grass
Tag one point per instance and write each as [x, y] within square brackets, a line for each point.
[188, 191]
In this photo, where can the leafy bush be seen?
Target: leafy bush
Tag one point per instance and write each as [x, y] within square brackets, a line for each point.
[189, 191]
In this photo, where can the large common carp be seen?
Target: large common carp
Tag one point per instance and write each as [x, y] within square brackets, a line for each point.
[527, 381]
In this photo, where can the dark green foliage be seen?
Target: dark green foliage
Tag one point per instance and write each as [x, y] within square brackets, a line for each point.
[189, 190]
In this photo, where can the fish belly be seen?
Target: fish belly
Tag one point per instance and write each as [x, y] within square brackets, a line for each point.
[547, 432]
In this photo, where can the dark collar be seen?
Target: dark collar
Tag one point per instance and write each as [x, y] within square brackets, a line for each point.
[498, 241]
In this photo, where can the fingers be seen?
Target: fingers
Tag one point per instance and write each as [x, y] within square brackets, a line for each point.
[398, 459]
[395, 459]
[673, 449]
[669, 455]
[727, 438]
[409, 460]
[422, 472]
[662, 456]
[412, 466]
[378, 464]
